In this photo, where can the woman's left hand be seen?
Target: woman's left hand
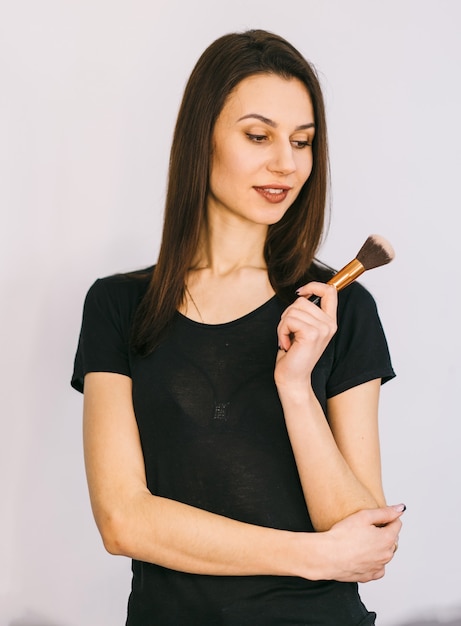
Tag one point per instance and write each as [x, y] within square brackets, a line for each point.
[304, 331]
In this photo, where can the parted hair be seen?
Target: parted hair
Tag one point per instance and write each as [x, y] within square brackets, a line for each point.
[292, 242]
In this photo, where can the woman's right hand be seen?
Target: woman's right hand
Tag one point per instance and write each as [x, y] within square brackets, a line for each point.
[362, 544]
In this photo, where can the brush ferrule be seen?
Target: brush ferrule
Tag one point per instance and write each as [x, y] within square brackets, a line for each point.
[347, 275]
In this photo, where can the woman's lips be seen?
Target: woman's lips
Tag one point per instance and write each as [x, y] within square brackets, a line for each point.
[273, 194]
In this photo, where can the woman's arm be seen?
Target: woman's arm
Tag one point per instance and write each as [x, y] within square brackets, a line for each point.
[338, 460]
[353, 419]
[135, 523]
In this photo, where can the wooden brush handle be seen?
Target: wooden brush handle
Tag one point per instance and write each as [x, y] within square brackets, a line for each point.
[343, 278]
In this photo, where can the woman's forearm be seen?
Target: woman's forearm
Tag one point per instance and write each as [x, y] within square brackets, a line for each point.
[333, 469]
[184, 538]
[181, 537]
[331, 489]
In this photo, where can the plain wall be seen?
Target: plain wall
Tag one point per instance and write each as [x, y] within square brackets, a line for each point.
[89, 91]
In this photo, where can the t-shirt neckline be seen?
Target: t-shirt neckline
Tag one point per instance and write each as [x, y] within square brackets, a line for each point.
[238, 320]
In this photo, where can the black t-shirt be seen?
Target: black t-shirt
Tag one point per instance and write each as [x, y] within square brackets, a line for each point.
[213, 436]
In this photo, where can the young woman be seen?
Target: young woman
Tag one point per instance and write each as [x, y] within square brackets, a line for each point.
[230, 424]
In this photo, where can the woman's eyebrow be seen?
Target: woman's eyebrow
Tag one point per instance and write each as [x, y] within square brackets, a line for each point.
[270, 122]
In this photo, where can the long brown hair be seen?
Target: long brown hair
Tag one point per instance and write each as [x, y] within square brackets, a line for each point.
[292, 242]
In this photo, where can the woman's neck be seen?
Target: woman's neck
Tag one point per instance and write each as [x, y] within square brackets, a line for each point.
[225, 248]
[228, 278]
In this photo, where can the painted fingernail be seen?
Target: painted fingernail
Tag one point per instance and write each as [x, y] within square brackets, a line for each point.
[399, 507]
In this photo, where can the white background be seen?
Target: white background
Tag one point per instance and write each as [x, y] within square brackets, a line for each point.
[89, 91]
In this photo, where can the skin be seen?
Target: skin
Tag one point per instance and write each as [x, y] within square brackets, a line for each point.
[261, 141]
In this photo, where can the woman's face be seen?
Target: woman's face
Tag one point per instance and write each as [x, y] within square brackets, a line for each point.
[262, 154]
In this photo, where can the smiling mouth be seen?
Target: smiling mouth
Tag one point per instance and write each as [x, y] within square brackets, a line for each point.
[273, 194]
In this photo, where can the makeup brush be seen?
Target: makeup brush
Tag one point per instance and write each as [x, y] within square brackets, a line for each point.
[376, 251]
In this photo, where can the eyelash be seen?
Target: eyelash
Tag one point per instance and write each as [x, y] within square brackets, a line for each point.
[260, 138]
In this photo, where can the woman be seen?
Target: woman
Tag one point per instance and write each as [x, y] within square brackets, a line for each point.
[207, 466]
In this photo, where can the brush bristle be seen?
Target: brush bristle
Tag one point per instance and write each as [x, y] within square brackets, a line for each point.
[376, 251]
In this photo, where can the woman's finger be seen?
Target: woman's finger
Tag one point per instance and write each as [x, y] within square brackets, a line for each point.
[327, 293]
[304, 321]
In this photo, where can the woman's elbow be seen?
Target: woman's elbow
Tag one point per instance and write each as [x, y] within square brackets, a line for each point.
[325, 520]
[114, 545]
[113, 528]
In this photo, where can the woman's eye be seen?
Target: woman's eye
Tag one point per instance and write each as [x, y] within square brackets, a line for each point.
[296, 143]
[256, 138]
[301, 144]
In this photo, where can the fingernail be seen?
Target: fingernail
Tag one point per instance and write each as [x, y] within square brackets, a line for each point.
[297, 291]
[399, 507]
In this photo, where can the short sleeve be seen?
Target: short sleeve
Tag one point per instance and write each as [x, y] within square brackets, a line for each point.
[361, 351]
[103, 344]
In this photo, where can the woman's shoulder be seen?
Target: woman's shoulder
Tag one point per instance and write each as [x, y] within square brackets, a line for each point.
[122, 291]
[124, 283]
[356, 297]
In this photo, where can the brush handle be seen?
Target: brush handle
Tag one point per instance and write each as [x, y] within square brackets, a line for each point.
[343, 278]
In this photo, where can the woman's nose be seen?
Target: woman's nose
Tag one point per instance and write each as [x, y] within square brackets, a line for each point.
[282, 159]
